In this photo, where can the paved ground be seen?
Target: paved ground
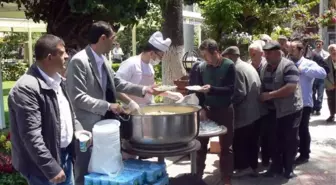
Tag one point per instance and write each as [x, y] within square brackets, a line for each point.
[321, 170]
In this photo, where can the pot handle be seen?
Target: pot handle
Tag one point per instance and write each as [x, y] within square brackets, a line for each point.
[128, 117]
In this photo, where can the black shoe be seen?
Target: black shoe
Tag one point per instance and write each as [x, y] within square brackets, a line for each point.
[318, 113]
[265, 163]
[269, 173]
[254, 173]
[330, 119]
[272, 173]
[289, 175]
[301, 160]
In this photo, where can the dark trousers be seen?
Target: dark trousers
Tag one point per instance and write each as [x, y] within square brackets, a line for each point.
[246, 147]
[286, 143]
[267, 137]
[222, 116]
[67, 166]
[304, 133]
[331, 101]
[318, 89]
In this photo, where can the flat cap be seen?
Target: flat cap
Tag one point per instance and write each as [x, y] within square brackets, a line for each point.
[265, 37]
[272, 45]
[233, 50]
[282, 37]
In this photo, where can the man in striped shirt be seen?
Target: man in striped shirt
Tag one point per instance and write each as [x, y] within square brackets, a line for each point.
[280, 78]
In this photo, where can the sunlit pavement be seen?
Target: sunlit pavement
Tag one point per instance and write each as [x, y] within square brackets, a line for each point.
[320, 170]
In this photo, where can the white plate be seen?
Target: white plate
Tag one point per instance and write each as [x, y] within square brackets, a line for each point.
[165, 88]
[194, 88]
[209, 126]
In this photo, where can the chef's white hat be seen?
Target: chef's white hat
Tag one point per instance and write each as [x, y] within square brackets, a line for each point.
[157, 41]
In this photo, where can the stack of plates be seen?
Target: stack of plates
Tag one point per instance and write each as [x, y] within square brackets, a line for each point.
[209, 127]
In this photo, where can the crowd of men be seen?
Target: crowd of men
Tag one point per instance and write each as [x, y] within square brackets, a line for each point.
[265, 103]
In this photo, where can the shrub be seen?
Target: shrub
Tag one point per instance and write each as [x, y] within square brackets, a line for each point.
[8, 175]
[13, 71]
[115, 66]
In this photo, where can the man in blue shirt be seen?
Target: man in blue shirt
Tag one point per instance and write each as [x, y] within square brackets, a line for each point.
[309, 70]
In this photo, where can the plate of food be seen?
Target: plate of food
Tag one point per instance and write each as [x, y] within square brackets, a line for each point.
[194, 88]
[163, 88]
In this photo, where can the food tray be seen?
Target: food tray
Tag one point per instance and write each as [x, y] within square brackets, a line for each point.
[152, 171]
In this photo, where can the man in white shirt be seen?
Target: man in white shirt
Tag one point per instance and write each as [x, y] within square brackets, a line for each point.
[139, 69]
[117, 53]
[42, 120]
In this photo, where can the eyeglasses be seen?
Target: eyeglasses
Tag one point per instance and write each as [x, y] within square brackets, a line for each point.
[160, 56]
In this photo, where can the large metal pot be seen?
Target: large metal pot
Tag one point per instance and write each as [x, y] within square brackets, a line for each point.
[165, 129]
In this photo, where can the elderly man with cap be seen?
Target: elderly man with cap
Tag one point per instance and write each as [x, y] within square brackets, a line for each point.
[217, 77]
[284, 44]
[330, 82]
[280, 86]
[247, 108]
[139, 69]
[256, 53]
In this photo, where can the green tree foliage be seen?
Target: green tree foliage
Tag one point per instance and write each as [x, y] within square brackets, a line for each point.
[144, 29]
[11, 42]
[70, 19]
[221, 16]
[225, 16]
[303, 16]
[251, 16]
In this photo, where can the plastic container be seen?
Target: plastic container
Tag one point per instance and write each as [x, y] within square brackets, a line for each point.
[91, 179]
[153, 171]
[163, 181]
[106, 155]
[126, 177]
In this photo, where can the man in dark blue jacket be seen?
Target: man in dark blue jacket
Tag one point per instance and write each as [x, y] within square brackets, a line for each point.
[42, 120]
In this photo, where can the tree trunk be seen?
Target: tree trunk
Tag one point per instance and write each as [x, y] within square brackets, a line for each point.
[172, 67]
